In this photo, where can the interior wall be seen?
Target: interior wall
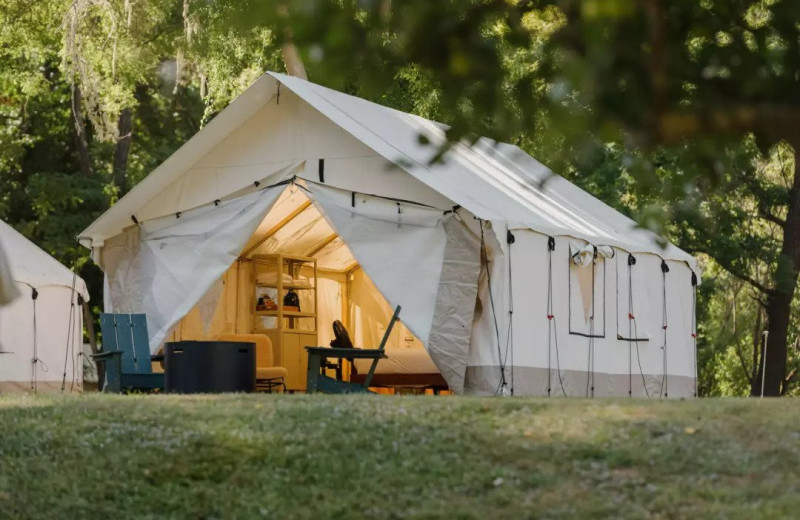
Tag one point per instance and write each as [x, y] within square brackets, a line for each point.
[369, 314]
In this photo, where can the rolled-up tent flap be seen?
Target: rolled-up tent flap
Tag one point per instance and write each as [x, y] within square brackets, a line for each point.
[164, 266]
[455, 303]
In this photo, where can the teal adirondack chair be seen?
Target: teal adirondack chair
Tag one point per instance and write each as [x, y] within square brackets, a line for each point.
[126, 354]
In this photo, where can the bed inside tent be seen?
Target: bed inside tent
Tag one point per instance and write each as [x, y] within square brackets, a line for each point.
[297, 243]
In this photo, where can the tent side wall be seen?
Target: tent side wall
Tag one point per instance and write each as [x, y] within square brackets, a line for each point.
[542, 346]
[54, 333]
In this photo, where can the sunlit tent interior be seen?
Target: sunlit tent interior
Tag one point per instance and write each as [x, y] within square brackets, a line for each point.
[511, 279]
[41, 329]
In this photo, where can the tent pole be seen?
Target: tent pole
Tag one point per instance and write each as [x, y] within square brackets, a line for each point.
[764, 364]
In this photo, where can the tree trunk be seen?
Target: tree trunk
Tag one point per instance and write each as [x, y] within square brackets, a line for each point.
[79, 133]
[758, 344]
[292, 61]
[122, 150]
[779, 302]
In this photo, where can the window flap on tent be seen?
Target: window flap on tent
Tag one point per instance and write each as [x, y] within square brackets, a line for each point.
[164, 266]
[400, 246]
[587, 289]
[636, 298]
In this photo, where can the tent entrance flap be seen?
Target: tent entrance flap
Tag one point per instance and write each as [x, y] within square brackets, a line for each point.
[163, 267]
[400, 246]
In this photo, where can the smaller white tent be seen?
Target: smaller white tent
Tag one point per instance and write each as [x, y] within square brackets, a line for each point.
[41, 330]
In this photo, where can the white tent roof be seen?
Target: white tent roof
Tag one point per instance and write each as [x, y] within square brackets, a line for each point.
[494, 181]
[32, 266]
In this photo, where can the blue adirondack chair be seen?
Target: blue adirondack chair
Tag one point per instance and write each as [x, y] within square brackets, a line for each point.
[126, 354]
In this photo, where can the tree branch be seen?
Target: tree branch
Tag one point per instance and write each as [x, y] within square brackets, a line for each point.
[787, 381]
[743, 276]
[79, 129]
[777, 121]
[768, 216]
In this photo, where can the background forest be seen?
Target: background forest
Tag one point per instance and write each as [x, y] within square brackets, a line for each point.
[682, 115]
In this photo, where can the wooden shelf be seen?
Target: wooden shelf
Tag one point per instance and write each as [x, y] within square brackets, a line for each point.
[270, 258]
[288, 340]
[291, 314]
[287, 286]
[262, 330]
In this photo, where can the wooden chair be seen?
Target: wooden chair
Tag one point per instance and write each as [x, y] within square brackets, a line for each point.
[317, 381]
[268, 376]
[126, 354]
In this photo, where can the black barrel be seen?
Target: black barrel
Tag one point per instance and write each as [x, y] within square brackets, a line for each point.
[192, 367]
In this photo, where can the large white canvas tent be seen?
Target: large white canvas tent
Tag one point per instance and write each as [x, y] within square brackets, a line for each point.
[41, 330]
[513, 279]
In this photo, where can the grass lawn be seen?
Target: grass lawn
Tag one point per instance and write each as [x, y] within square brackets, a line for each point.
[322, 457]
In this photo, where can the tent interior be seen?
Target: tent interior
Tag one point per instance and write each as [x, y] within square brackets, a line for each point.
[317, 265]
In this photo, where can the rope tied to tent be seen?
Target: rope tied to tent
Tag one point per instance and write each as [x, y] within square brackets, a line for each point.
[70, 346]
[552, 329]
[590, 353]
[664, 391]
[510, 336]
[633, 333]
[35, 359]
[485, 262]
[694, 328]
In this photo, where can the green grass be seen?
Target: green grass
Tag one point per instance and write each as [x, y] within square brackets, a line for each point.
[325, 457]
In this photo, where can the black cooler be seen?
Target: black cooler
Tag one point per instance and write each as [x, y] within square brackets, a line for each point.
[192, 367]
